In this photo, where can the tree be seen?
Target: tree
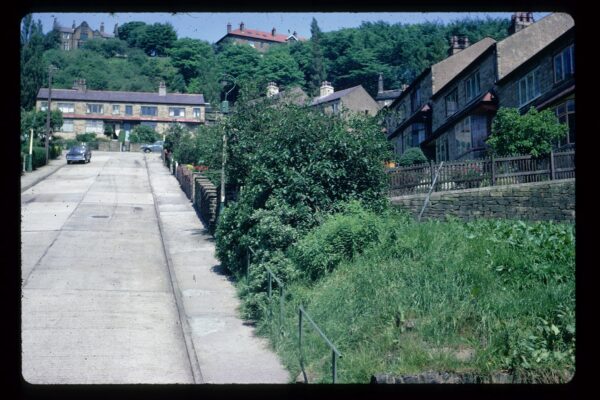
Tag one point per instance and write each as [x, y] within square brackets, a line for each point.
[156, 39]
[130, 31]
[412, 156]
[279, 66]
[317, 68]
[36, 120]
[532, 133]
[32, 66]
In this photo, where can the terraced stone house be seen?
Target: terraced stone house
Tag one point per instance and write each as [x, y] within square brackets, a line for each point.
[259, 40]
[449, 108]
[94, 111]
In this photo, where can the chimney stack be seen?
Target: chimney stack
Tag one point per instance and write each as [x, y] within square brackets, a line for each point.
[116, 30]
[520, 20]
[242, 26]
[73, 24]
[102, 27]
[326, 89]
[380, 84]
[272, 89]
[229, 27]
[273, 32]
[458, 43]
[80, 85]
[162, 89]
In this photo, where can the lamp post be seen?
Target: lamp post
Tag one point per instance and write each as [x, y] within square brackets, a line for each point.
[51, 69]
[224, 110]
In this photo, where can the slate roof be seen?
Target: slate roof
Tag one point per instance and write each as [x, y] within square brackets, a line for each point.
[123, 97]
[444, 71]
[521, 46]
[388, 94]
[334, 96]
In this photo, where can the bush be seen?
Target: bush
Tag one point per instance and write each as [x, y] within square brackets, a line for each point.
[54, 151]
[134, 138]
[144, 133]
[532, 133]
[39, 156]
[412, 156]
[85, 137]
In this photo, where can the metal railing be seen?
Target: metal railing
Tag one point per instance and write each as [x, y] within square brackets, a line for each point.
[281, 299]
[334, 350]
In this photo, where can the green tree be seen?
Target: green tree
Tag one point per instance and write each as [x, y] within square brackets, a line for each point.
[318, 72]
[156, 39]
[532, 133]
[293, 163]
[130, 31]
[412, 156]
[36, 120]
[279, 66]
[33, 70]
[145, 134]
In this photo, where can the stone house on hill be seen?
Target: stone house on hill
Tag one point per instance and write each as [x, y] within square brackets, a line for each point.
[74, 37]
[259, 40]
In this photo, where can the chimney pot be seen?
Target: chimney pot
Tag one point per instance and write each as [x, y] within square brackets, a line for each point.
[242, 26]
[228, 27]
[102, 27]
[273, 32]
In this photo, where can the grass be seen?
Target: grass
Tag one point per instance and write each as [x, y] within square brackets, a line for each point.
[476, 297]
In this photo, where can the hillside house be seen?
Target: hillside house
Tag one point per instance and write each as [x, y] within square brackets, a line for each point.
[355, 99]
[259, 40]
[74, 37]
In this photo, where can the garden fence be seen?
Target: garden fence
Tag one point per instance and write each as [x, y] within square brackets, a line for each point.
[470, 174]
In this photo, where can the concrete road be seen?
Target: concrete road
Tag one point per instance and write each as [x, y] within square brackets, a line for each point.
[119, 283]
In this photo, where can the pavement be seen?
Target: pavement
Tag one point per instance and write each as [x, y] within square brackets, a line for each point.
[120, 283]
[226, 348]
[37, 175]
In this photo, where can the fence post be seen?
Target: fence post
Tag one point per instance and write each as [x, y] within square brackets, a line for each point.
[270, 302]
[493, 170]
[431, 169]
[552, 177]
[247, 263]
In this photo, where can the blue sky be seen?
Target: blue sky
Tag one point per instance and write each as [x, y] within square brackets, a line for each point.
[212, 26]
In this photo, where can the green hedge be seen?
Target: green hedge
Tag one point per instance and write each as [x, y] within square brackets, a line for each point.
[39, 157]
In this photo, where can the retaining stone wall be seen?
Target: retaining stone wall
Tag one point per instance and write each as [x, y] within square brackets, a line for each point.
[550, 200]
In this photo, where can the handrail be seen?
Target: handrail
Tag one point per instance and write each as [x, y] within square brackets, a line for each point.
[334, 350]
[281, 298]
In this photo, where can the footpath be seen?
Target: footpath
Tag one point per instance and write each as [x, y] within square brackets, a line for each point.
[28, 179]
[221, 348]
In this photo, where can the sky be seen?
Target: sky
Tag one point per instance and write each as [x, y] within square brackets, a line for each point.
[213, 26]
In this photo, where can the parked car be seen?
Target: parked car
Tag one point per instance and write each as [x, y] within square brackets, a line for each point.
[80, 152]
[155, 147]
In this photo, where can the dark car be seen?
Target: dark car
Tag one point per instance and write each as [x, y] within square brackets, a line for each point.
[156, 147]
[79, 153]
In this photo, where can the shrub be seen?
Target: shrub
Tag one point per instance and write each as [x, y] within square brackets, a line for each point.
[533, 133]
[145, 133]
[86, 137]
[412, 156]
[134, 138]
[38, 156]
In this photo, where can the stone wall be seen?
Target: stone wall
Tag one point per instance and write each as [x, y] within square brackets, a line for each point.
[206, 201]
[551, 200]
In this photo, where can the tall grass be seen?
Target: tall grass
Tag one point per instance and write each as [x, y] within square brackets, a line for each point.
[475, 297]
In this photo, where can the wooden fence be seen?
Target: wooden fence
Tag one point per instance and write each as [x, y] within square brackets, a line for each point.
[457, 175]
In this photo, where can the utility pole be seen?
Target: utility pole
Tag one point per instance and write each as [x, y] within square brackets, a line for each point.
[50, 69]
[224, 110]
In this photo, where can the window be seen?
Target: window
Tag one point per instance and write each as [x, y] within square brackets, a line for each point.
[564, 64]
[335, 107]
[417, 134]
[43, 105]
[95, 109]
[149, 110]
[398, 145]
[462, 136]
[128, 110]
[116, 109]
[566, 115]
[441, 148]
[415, 99]
[197, 112]
[150, 124]
[66, 107]
[472, 85]
[529, 87]
[452, 103]
[176, 112]
[94, 126]
[66, 46]
[67, 125]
